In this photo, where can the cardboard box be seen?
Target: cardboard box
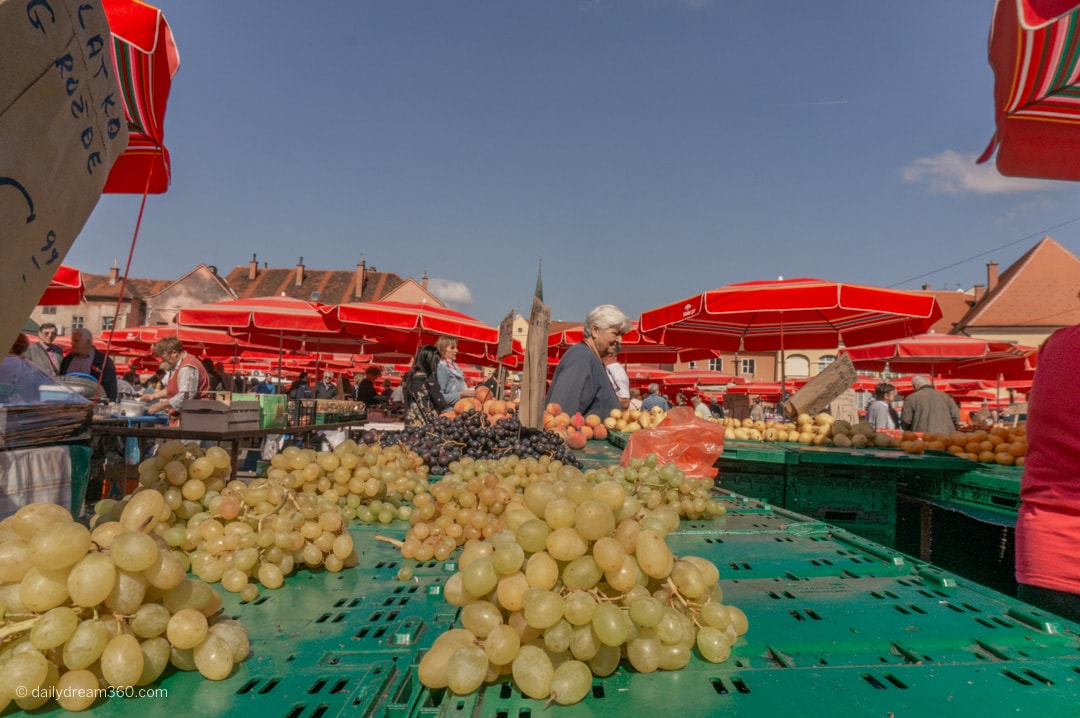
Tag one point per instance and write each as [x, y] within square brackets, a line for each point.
[217, 416]
[273, 409]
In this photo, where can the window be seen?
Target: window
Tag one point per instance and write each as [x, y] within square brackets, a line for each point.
[77, 322]
[716, 365]
[48, 310]
[107, 323]
[797, 365]
[747, 366]
[691, 365]
[824, 362]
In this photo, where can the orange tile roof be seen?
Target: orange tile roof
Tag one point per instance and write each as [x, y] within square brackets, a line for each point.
[1040, 289]
[332, 286]
[954, 305]
[98, 287]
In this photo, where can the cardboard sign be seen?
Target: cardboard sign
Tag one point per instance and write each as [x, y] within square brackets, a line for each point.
[819, 392]
[61, 129]
[845, 407]
[506, 336]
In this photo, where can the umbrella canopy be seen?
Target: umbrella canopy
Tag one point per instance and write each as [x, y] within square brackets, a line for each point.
[697, 377]
[1036, 61]
[927, 353]
[861, 383]
[645, 375]
[949, 385]
[269, 315]
[66, 287]
[807, 313]
[634, 348]
[145, 59]
[408, 326]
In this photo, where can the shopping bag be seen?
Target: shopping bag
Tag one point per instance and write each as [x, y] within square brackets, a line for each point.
[691, 443]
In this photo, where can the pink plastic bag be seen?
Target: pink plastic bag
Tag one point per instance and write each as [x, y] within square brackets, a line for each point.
[691, 443]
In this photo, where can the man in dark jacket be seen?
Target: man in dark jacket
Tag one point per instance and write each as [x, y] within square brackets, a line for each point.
[85, 359]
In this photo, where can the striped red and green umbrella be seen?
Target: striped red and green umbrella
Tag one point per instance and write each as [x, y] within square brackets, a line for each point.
[146, 59]
[1035, 54]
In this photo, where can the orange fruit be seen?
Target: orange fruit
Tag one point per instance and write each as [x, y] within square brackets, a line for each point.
[996, 439]
[986, 457]
[935, 445]
[909, 436]
[929, 436]
[955, 449]
[972, 447]
[1004, 458]
[1019, 461]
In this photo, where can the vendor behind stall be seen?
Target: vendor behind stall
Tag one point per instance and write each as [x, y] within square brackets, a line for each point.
[187, 377]
[581, 383]
[85, 359]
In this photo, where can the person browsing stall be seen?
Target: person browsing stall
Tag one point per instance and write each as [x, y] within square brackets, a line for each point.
[46, 354]
[655, 398]
[619, 378]
[424, 399]
[365, 388]
[581, 383]
[929, 410]
[880, 413]
[327, 388]
[187, 378]
[85, 359]
[1048, 522]
[450, 375]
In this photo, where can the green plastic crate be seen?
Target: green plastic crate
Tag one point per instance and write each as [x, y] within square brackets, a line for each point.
[618, 438]
[998, 492]
[850, 497]
[764, 481]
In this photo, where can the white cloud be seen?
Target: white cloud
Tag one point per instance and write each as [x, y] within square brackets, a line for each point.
[450, 291]
[954, 173]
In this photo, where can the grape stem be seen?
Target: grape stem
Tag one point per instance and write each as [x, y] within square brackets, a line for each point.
[392, 542]
[14, 628]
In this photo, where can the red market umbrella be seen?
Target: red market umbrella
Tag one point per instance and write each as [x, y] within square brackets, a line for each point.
[643, 375]
[1036, 61]
[948, 385]
[634, 348]
[408, 326]
[769, 316]
[66, 287]
[145, 60]
[697, 377]
[280, 315]
[861, 383]
[276, 317]
[775, 315]
[197, 341]
[926, 353]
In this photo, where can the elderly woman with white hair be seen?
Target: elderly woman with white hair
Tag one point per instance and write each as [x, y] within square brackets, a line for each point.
[581, 382]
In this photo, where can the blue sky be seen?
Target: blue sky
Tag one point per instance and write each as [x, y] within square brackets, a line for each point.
[643, 150]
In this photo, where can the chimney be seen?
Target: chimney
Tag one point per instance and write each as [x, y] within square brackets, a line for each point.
[926, 287]
[114, 274]
[978, 294]
[253, 268]
[991, 276]
[424, 279]
[300, 272]
[361, 279]
[212, 268]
